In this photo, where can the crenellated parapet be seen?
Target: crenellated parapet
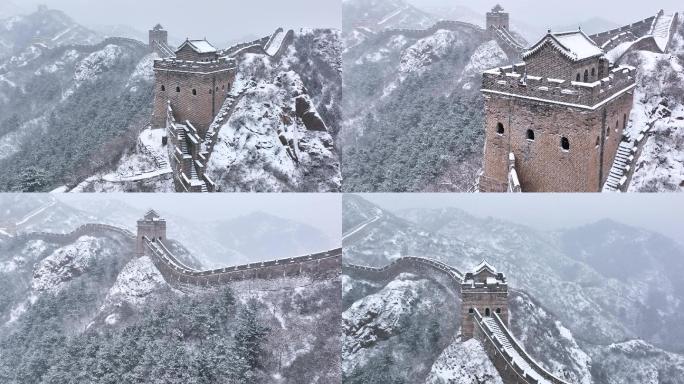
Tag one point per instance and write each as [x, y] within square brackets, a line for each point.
[199, 67]
[513, 81]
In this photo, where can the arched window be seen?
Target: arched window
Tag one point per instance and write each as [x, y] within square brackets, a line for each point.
[579, 78]
[624, 121]
[617, 125]
[471, 310]
[607, 131]
[598, 141]
[530, 135]
[163, 88]
[210, 91]
[194, 92]
[586, 75]
[177, 89]
[593, 72]
[498, 310]
[565, 143]
[488, 312]
[500, 128]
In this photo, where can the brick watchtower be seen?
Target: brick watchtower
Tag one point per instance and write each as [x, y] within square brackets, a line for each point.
[194, 83]
[158, 36]
[486, 290]
[151, 226]
[560, 114]
[497, 18]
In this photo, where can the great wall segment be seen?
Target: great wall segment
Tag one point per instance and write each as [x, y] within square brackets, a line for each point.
[194, 96]
[150, 240]
[579, 81]
[484, 311]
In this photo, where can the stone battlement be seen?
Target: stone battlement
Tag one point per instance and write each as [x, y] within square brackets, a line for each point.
[177, 65]
[639, 28]
[512, 81]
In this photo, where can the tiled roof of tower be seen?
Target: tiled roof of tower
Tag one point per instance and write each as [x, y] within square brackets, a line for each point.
[497, 8]
[575, 45]
[151, 214]
[199, 46]
[485, 265]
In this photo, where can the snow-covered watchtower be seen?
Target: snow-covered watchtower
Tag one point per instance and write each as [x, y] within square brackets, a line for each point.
[486, 290]
[151, 226]
[497, 18]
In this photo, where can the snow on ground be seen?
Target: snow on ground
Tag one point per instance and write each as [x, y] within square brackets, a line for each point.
[425, 51]
[141, 166]
[660, 167]
[250, 155]
[488, 55]
[275, 43]
[56, 270]
[464, 363]
[138, 280]
[377, 317]
[144, 71]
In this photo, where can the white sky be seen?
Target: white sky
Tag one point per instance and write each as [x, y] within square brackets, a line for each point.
[322, 211]
[548, 13]
[663, 213]
[218, 20]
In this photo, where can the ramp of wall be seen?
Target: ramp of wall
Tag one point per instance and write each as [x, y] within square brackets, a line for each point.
[510, 369]
[302, 269]
[442, 273]
[84, 230]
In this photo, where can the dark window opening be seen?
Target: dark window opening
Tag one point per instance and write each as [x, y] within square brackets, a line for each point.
[498, 310]
[500, 128]
[617, 125]
[194, 92]
[586, 75]
[624, 121]
[593, 72]
[163, 88]
[530, 135]
[177, 89]
[579, 78]
[210, 91]
[598, 141]
[471, 310]
[488, 312]
[565, 143]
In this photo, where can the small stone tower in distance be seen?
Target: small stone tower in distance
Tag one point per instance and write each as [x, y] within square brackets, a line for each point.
[158, 37]
[497, 18]
[151, 226]
[486, 290]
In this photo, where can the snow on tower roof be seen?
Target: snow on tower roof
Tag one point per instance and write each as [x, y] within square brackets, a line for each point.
[497, 8]
[158, 27]
[575, 45]
[485, 265]
[199, 46]
[151, 214]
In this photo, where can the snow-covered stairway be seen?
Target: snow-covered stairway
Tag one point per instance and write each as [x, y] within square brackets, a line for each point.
[662, 30]
[617, 178]
[514, 358]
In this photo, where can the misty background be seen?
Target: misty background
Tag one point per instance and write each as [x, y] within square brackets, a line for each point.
[549, 14]
[321, 211]
[661, 213]
[220, 21]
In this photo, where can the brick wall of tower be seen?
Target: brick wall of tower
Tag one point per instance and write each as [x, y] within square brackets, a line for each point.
[548, 62]
[161, 36]
[481, 299]
[498, 19]
[200, 108]
[542, 164]
[151, 229]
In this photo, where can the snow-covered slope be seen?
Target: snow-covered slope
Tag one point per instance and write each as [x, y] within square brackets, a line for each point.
[660, 168]
[412, 108]
[587, 287]
[58, 301]
[70, 106]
